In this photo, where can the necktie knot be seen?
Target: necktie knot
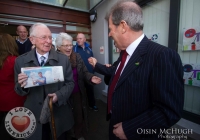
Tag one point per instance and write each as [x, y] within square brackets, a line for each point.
[42, 58]
[124, 55]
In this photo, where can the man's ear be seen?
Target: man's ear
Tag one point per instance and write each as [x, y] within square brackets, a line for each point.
[32, 40]
[124, 26]
[17, 32]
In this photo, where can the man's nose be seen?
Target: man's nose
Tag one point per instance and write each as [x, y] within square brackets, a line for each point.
[49, 40]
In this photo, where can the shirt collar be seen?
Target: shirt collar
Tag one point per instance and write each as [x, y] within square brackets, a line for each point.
[39, 55]
[23, 41]
[131, 48]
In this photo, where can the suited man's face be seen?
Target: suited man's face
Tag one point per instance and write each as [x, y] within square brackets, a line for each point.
[115, 33]
[42, 39]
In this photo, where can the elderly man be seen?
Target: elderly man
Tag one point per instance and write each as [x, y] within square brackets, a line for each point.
[40, 36]
[23, 42]
[146, 91]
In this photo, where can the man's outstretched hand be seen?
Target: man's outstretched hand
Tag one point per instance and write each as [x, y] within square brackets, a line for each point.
[92, 61]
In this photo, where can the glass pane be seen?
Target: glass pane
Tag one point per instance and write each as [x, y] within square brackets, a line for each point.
[50, 2]
[94, 3]
[76, 28]
[81, 5]
[78, 4]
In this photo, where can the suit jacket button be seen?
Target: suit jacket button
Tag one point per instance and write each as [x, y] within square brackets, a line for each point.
[40, 103]
[39, 122]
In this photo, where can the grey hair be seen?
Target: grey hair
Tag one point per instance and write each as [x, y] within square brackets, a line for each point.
[62, 36]
[128, 11]
[32, 29]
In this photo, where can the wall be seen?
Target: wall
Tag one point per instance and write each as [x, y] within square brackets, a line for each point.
[156, 20]
[189, 17]
[99, 31]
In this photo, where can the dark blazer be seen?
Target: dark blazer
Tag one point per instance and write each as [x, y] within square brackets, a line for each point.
[149, 93]
[35, 95]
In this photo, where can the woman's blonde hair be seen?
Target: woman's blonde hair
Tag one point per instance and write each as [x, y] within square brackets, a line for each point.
[8, 46]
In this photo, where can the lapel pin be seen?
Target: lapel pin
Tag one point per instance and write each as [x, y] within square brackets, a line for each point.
[137, 64]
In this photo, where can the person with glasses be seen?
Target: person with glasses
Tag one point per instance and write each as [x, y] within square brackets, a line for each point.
[80, 74]
[43, 55]
[23, 42]
[83, 48]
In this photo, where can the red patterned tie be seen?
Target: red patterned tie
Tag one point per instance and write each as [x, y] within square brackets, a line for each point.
[115, 80]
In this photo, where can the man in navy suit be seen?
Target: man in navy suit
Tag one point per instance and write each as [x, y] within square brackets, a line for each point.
[148, 96]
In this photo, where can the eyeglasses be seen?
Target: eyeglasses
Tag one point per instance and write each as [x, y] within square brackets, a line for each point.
[45, 38]
[67, 46]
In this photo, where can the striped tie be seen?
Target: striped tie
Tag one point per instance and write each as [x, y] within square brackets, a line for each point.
[42, 60]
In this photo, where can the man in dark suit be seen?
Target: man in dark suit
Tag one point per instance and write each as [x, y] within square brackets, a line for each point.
[148, 96]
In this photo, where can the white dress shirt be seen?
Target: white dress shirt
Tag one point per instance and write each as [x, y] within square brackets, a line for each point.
[39, 55]
[130, 50]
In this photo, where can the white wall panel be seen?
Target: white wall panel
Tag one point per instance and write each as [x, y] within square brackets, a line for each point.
[156, 20]
[189, 17]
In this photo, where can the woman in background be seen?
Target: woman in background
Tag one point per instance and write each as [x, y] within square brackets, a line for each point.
[8, 98]
[80, 74]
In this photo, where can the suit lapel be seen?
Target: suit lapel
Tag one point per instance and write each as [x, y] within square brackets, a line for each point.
[135, 61]
[53, 58]
[31, 58]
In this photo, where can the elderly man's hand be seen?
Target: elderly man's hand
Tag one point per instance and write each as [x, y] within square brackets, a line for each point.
[54, 96]
[22, 78]
[92, 61]
[96, 80]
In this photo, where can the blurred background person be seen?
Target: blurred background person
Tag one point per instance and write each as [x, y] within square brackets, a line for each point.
[23, 42]
[8, 97]
[80, 74]
[83, 48]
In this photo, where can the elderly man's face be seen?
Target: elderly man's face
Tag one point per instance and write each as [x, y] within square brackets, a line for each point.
[42, 39]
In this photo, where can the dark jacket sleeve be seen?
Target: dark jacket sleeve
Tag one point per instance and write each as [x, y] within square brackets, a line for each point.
[107, 78]
[83, 69]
